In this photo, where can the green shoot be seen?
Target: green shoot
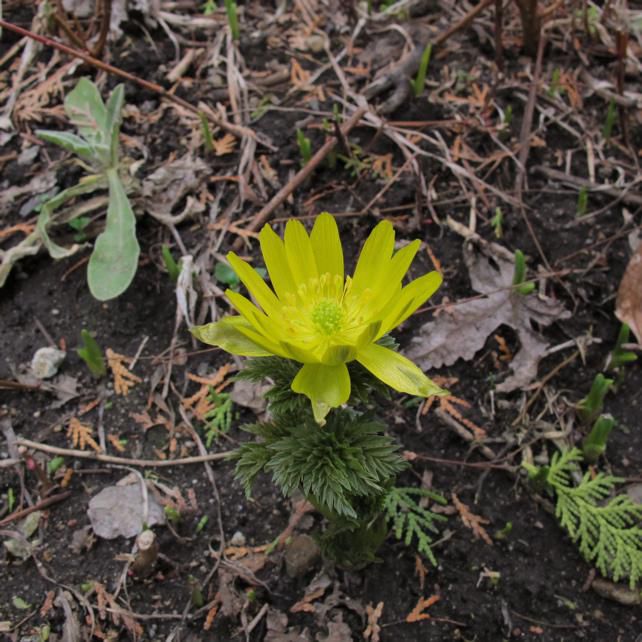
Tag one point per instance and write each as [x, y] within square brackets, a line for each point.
[356, 163]
[218, 420]
[619, 356]
[555, 88]
[611, 113]
[202, 523]
[508, 116]
[114, 260]
[582, 201]
[196, 592]
[594, 445]
[520, 285]
[170, 264]
[232, 18]
[262, 108]
[208, 139]
[223, 273]
[419, 83]
[20, 604]
[590, 408]
[409, 519]
[497, 221]
[91, 354]
[305, 147]
[605, 528]
[11, 499]
[172, 515]
[503, 533]
[79, 224]
[55, 464]
[209, 7]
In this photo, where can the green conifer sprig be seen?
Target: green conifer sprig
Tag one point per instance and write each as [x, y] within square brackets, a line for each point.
[334, 465]
[607, 533]
[409, 519]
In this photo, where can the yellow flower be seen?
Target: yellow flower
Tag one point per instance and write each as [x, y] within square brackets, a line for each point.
[319, 318]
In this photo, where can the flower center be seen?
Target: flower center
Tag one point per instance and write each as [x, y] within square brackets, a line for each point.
[327, 315]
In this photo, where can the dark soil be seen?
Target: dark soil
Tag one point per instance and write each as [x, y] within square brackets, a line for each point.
[530, 584]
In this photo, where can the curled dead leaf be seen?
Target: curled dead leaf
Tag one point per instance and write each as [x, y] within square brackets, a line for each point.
[628, 304]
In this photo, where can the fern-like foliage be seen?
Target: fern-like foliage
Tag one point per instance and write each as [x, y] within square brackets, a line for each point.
[607, 531]
[218, 420]
[335, 466]
[409, 520]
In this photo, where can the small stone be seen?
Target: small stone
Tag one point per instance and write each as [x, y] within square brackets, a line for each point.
[238, 539]
[316, 43]
[301, 555]
[46, 361]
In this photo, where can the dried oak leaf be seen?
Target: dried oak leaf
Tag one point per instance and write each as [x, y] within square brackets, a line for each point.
[628, 304]
[461, 331]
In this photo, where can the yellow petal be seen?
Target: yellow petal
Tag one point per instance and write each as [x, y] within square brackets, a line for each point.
[401, 261]
[411, 297]
[397, 371]
[226, 334]
[374, 258]
[298, 249]
[327, 387]
[276, 262]
[255, 285]
[326, 244]
[255, 317]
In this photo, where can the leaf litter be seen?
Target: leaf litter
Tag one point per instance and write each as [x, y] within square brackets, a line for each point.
[462, 329]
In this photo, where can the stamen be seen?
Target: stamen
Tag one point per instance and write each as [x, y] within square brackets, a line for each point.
[327, 315]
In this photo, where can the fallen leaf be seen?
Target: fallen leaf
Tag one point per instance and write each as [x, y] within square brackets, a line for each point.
[278, 630]
[121, 511]
[315, 590]
[172, 183]
[20, 547]
[417, 614]
[250, 395]
[373, 629]
[82, 540]
[338, 631]
[461, 331]
[628, 304]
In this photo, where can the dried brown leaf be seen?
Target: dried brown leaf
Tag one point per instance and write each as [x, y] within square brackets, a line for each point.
[472, 521]
[628, 304]
[123, 378]
[80, 435]
[373, 629]
[421, 571]
[462, 332]
[417, 614]
[224, 145]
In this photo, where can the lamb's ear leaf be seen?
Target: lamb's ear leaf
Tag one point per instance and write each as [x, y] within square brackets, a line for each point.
[114, 261]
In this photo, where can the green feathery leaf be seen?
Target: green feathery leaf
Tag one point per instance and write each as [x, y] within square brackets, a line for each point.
[334, 466]
[409, 520]
[607, 531]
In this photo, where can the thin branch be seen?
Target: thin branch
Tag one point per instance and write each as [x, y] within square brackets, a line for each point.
[237, 130]
[262, 216]
[109, 459]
